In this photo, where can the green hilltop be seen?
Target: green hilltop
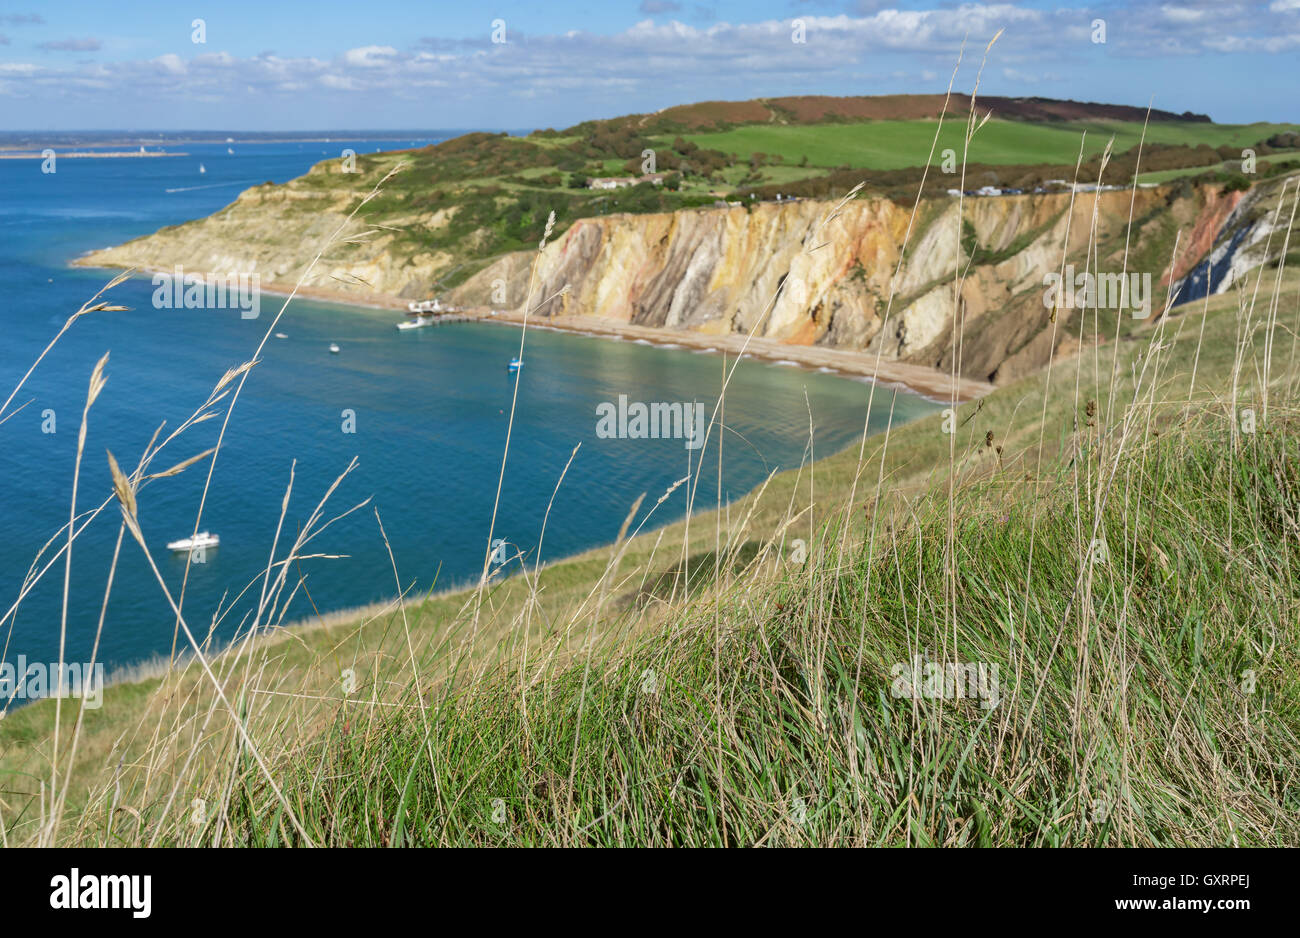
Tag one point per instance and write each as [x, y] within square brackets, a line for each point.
[494, 192]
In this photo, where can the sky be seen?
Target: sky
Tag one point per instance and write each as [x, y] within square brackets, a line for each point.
[398, 64]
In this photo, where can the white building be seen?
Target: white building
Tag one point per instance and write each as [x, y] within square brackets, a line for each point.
[622, 182]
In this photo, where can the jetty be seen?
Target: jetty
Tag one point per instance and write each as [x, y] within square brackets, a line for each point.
[435, 319]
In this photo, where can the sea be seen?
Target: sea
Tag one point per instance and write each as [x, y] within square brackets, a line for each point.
[424, 414]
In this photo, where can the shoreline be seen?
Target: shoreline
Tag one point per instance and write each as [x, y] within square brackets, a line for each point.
[930, 383]
[922, 380]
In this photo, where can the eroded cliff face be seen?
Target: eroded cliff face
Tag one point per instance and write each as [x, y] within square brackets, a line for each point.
[1249, 230]
[808, 273]
[804, 273]
[275, 231]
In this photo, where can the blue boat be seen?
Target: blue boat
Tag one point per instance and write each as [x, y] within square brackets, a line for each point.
[514, 365]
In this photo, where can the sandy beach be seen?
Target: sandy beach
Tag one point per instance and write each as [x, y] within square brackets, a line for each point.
[928, 382]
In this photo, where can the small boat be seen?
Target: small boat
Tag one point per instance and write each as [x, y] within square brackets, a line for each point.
[281, 335]
[334, 348]
[230, 151]
[201, 169]
[515, 364]
[200, 541]
[417, 322]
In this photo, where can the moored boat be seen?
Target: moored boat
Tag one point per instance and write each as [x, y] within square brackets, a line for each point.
[420, 320]
[200, 541]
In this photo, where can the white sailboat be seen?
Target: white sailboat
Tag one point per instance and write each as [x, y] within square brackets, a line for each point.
[201, 169]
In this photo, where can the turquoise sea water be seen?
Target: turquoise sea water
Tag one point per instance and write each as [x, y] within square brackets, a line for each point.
[429, 409]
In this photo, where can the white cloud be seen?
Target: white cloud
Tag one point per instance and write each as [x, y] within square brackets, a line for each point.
[171, 63]
[1268, 44]
[339, 82]
[214, 59]
[370, 56]
[1182, 14]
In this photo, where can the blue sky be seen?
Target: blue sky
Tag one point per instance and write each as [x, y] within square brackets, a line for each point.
[286, 65]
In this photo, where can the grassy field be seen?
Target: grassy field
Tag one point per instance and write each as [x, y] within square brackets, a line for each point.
[1229, 166]
[899, 144]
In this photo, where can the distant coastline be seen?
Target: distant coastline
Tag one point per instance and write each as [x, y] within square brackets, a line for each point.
[86, 140]
[87, 154]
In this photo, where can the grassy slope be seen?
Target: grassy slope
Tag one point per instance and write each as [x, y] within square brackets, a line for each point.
[1228, 167]
[768, 720]
[898, 144]
[739, 727]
